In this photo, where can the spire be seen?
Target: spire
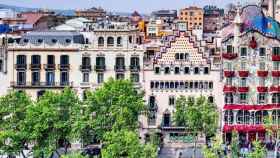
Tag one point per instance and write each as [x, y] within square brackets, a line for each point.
[237, 19]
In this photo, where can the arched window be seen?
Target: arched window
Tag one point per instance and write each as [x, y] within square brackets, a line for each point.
[119, 41]
[228, 118]
[110, 41]
[100, 41]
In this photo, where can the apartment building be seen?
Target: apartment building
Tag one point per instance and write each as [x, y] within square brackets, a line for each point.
[251, 70]
[193, 16]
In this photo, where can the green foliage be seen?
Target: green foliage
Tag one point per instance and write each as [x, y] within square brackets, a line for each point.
[12, 114]
[198, 115]
[48, 122]
[126, 143]
[116, 105]
[215, 150]
[73, 155]
[259, 151]
[234, 145]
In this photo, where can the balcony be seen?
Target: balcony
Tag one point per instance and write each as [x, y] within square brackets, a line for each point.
[20, 66]
[243, 73]
[100, 67]
[243, 89]
[41, 84]
[275, 57]
[274, 89]
[85, 68]
[119, 68]
[262, 73]
[49, 66]
[275, 73]
[35, 66]
[134, 68]
[229, 56]
[64, 66]
[229, 89]
[262, 89]
[228, 73]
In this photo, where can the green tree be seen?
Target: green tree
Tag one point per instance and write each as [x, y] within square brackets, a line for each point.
[48, 122]
[125, 143]
[12, 114]
[115, 105]
[234, 145]
[259, 151]
[215, 150]
[198, 115]
[73, 155]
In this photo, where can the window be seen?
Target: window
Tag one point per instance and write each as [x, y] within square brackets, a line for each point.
[211, 99]
[228, 66]
[210, 85]
[276, 51]
[229, 98]
[195, 85]
[206, 70]
[262, 81]
[64, 78]
[187, 70]
[182, 56]
[177, 70]
[51, 59]
[100, 78]
[243, 98]
[21, 78]
[85, 77]
[191, 85]
[135, 77]
[196, 70]
[152, 85]
[21, 59]
[261, 98]
[166, 70]
[275, 98]
[243, 52]
[119, 41]
[166, 85]
[64, 60]
[120, 63]
[134, 61]
[276, 65]
[228, 117]
[1, 65]
[177, 56]
[130, 39]
[50, 78]
[230, 49]
[243, 65]
[229, 81]
[171, 100]
[157, 70]
[243, 82]
[262, 52]
[120, 76]
[35, 59]
[35, 78]
[100, 41]
[110, 41]
[262, 65]
[86, 61]
[275, 81]
[100, 61]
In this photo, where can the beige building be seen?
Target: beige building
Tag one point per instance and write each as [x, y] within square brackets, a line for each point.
[193, 16]
[182, 67]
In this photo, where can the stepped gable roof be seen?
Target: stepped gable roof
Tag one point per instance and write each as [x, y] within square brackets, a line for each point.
[253, 19]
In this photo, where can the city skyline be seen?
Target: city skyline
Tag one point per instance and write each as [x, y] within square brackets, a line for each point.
[143, 6]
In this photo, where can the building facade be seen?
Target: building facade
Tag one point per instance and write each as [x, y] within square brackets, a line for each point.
[193, 16]
[251, 70]
[182, 67]
[213, 19]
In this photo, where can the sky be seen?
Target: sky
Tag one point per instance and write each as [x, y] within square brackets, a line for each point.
[143, 6]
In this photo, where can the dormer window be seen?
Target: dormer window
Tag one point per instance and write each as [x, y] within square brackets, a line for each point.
[54, 41]
[25, 40]
[68, 40]
[40, 41]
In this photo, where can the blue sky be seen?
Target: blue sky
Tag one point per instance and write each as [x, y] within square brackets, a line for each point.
[145, 6]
